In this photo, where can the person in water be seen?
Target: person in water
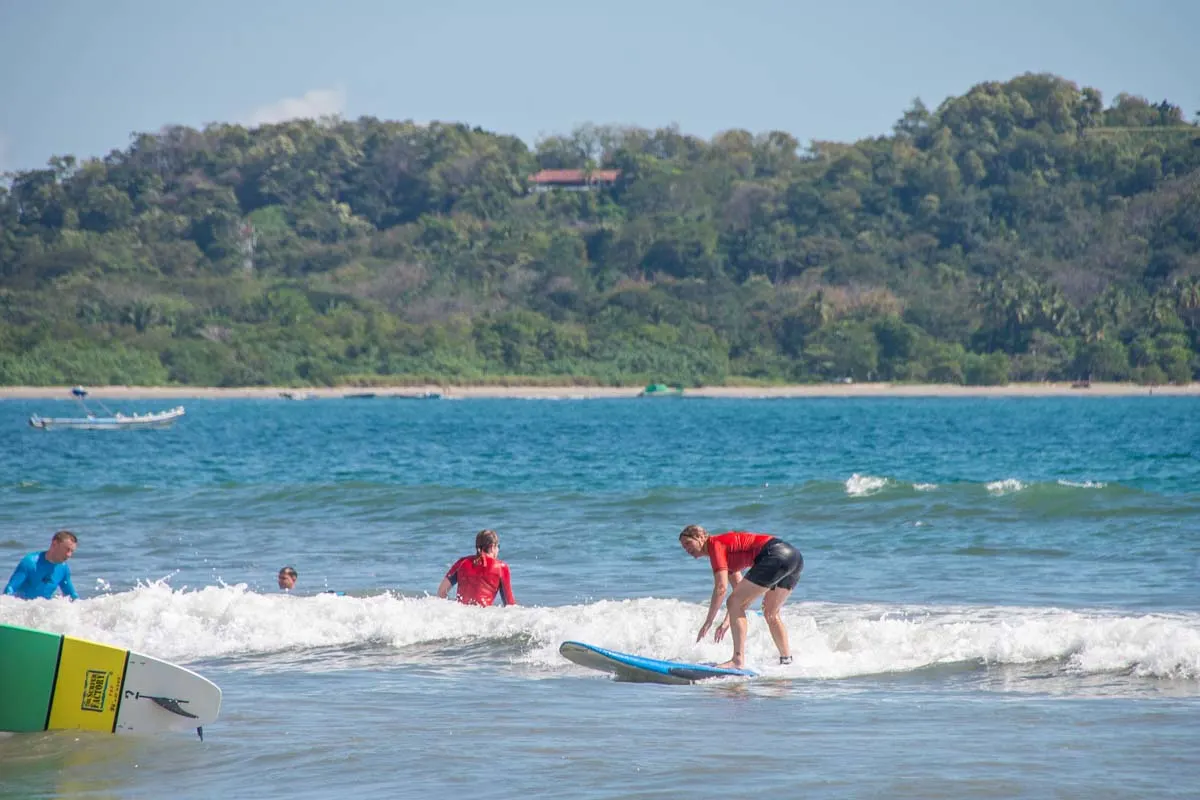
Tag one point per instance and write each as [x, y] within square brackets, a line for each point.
[41, 574]
[480, 577]
[287, 578]
[774, 569]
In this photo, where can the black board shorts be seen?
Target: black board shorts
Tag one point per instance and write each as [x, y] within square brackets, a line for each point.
[777, 566]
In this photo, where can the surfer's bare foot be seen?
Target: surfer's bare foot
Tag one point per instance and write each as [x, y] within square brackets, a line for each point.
[732, 663]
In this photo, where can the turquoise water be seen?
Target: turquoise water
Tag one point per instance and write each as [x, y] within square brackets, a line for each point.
[1001, 597]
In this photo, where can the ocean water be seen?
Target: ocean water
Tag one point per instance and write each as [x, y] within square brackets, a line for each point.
[1001, 597]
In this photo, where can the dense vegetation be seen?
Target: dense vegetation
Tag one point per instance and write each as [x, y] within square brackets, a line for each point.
[1022, 231]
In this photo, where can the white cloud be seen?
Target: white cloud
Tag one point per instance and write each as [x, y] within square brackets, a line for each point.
[313, 104]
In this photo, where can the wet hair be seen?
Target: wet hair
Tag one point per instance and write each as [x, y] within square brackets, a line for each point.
[290, 572]
[62, 536]
[693, 532]
[485, 540]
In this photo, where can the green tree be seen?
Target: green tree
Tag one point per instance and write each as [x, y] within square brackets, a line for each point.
[1023, 221]
[1104, 360]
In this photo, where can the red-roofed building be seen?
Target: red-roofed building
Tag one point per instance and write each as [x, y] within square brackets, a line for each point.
[576, 180]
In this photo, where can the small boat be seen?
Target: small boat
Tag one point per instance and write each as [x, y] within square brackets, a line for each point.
[112, 422]
[661, 390]
[360, 396]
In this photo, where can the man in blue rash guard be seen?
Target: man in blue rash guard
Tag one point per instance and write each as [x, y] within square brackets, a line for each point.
[40, 574]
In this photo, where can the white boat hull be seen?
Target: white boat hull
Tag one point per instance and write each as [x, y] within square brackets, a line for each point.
[159, 419]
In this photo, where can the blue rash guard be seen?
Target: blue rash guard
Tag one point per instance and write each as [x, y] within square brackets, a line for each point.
[35, 576]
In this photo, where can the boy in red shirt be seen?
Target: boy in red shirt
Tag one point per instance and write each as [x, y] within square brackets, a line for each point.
[481, 576]
[774, 569]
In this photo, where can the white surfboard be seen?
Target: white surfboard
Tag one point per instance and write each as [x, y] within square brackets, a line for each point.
[158, 696]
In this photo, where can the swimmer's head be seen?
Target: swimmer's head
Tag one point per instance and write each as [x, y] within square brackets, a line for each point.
[487, 542]
[287, 578]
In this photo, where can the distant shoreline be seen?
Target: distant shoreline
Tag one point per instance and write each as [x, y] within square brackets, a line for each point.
[600, 392]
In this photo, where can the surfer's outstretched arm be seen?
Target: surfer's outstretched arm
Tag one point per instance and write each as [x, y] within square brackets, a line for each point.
[24, 573]
[506, 592]
[720, 588]
[68, 588]
[735, 578]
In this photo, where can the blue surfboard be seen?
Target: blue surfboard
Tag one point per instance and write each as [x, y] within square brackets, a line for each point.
[638, 669]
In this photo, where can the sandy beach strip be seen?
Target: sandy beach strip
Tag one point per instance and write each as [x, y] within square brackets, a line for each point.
[601, 392]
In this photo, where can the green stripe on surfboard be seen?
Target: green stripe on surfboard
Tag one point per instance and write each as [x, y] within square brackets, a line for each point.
[28, 660]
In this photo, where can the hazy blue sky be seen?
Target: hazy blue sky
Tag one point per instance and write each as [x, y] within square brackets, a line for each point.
[78, 76]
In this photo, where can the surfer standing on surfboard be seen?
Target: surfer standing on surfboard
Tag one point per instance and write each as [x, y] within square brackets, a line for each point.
[774, 569]
[481, 576]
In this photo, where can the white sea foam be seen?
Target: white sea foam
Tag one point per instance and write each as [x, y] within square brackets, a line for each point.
[1083, 484]
[864, 485]
[1006, 486]
[828, 640]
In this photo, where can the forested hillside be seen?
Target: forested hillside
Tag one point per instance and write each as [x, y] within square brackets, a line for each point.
[1022, 231]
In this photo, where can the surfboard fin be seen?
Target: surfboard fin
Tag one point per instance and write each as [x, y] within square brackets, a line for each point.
[170, 704]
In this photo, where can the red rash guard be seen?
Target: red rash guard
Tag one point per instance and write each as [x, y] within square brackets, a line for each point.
[479, 578]
[736, 550]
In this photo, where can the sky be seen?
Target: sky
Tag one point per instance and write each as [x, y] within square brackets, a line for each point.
[80, 77]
